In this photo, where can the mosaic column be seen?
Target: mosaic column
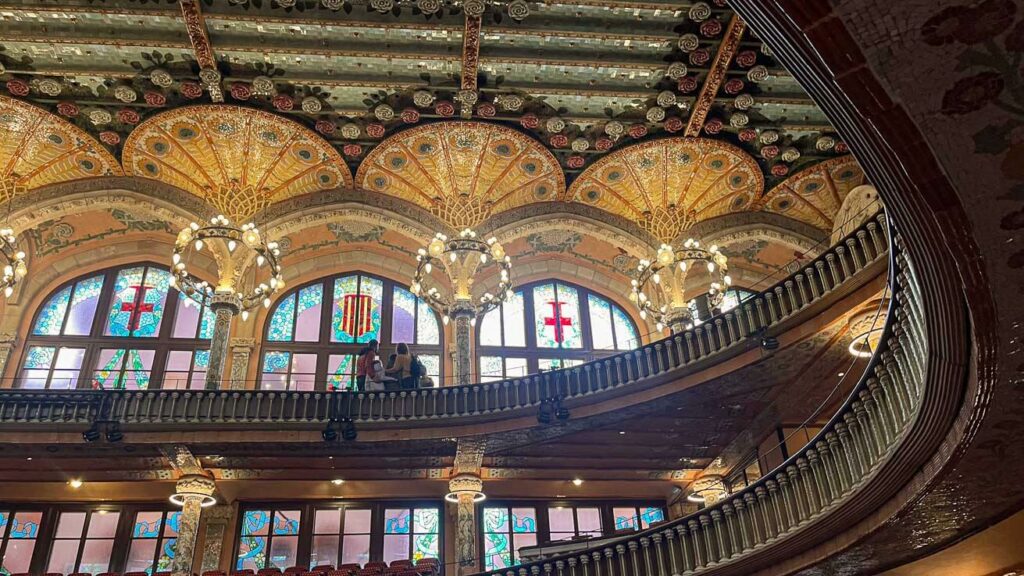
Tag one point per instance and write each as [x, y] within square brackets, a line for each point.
[241, 349]
[224, 307]
[464, 314]
[465, 490]
[192, 492]
[217, 518]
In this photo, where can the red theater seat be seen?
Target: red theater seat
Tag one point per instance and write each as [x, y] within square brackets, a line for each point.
[246, 572]
[401, 563]
[269, 572]
[208, 573]
[340, 573]
[294, 570]
[379, 566]
[350, 567]
[322, 568]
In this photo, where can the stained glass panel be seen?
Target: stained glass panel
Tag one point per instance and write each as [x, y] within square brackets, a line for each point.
[36, 368]
[51, 317]
[206, 325]
[427, 329]
[374, 289]
[340, 370]
[601, 323]
[491, 369]
[497, 552]
[403, 316]
[549, 329]
[490, 328]
[515, 320]
[119, 369]
[432, 363]
[282, 321]
[426, 525]
[524, 520]
[396, 521]
[83, 306]
[348, 308]
[625, 518]
[137, 306]
[626, 337]
[307, 321]
[651, 515]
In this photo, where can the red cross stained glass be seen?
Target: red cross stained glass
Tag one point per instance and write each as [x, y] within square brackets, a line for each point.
[137, 307]
[557, 321]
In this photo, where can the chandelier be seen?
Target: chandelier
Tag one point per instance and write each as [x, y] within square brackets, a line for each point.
[11, 256]
[660, 289]
[461, 258]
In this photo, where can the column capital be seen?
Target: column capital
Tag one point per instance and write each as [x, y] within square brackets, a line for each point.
[242, 344]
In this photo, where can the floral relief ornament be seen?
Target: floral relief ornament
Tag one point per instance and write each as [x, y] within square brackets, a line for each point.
[283, 102]
[384, 113]
[637, 131]
[410, 116]
[263, 86]
[530, 121]
[509, 102]
[125, 93]
[486, 110]
[518, 9]
[325, 127]
[190, 89]
[674, 124]
[49, 86]
[422, 98]
[18, 87]
[655, 114]
[110, 138]
[69, 109]
[580, 144]
[555, 125]
[375, 130]
[128, 116]
[474, 8]
[689, 42]
[825, 143]
[350, 131]
[382, 6]
[161, 78]
[700, 12]
[312, 105]
[743, 102]
[666, 98]
[429, 6]
[676, 70]
[98, 116]
[614, 128]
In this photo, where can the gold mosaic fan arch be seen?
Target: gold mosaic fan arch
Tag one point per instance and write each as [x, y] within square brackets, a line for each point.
[238, 159]
[39, 148]
[816, 194]
[463, 172]
[670, 184]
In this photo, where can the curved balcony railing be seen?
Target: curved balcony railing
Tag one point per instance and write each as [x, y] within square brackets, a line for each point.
[809, 488]
[834, 271]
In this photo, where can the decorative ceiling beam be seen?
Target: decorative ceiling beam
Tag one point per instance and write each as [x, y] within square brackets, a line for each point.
[715, 77]
[182, 459]
[196, 27]
[470, 63]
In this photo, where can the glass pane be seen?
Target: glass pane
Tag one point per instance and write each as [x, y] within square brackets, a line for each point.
[96, 556]
[396, 547]
[523, 541]
[515, 367]
[601, 323]
[548, 317]
[83, 306]
[70, 525]
[651, 515]
[626, 337]
[25, 526]
[103, 524]
[275, 370]
[495, 519]
[206, 327]
[252, 553]
[107, 374]
[625, 518]
[568, 316]
[396, 521]
[167, 551]
[368, 327]
[432, 363]
[515, 320]
[344, 314]
[303, 372]
[171, 526]
[137, 369]
[307, 322]
[281, 322]
[324, 550]
[427, 329]
[179, 360]
[425, 546]
[186, 318]
[51, 316]
[355, 549]
[286, 522]
[5, 518]
[496, 551]
[201, 363]
[327, 521]
[339, 372]
[557, 363]
[18, 555]
[256, 523]
[140, 556]
[425, 521]
[589, 520]
[560, 520]
[67, 367]
[62, 557]
[490, 328]
[491, 369]
[36, 368]
[403, 316]
[147, 525]
[357, 521]
[137, 306]
[524, 520]
[283, 551]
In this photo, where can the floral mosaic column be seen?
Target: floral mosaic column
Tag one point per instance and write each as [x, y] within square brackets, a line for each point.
[224, 307]
[217, 518]
[465, 490]
[464, 314]
[192, 491]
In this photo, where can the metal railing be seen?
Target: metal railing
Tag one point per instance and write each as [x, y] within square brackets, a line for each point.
[756, 316]
[836, 464]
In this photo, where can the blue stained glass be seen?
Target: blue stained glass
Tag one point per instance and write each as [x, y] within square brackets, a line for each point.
[202, 359]
[626, 337]
[167, 554]
[283, 320]
[339, 372]
[651, 515]
[255, 522]
[25, 529]
[3, 523]
[557, 316]
[284, 525]
[39, 357]
[206, 323]
[524, 522]
[427, 330]
[173, 523]
[51, 317]
[108, 377]
[137, 306]
[83, 306]
[143, 529]
[396, 521]
[276, 361]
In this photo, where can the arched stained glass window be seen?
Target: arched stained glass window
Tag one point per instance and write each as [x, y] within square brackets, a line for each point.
[549, 325]
[315, 331]
[119, 328]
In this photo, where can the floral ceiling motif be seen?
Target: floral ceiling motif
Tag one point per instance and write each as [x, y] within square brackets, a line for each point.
[463, 172]
[39, 148]
[816, 194]
[229, 155]
[668, 185]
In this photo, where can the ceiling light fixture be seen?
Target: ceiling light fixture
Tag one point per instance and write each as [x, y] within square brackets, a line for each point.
[577, 482]
[661, 286]
[337, 481]
[75, 483]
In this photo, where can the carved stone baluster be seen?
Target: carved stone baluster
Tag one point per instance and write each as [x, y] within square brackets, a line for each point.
[685, 548]
[829, 475]
[789, 513]
[841, 460]
[633, 545]
[716, 524]
[775, 523]
[802, 287]
[708, 537]
[886, 408]
[584, 564]
[609, 560]
[730, 527]
[596, 555]
[756, 533]
[659, 554]
[823, 278]
[796, 488]
[743, 524]
[670, 549]
[699, 554]
[858, 450]
[620, 551]
[816, 494]
[560, 566]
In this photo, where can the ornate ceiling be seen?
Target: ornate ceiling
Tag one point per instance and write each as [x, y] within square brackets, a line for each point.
[463, 171]
[38, 148]
[238, 159]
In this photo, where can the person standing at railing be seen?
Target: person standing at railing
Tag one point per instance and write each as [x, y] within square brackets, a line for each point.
[364, 363]
[401, 367]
